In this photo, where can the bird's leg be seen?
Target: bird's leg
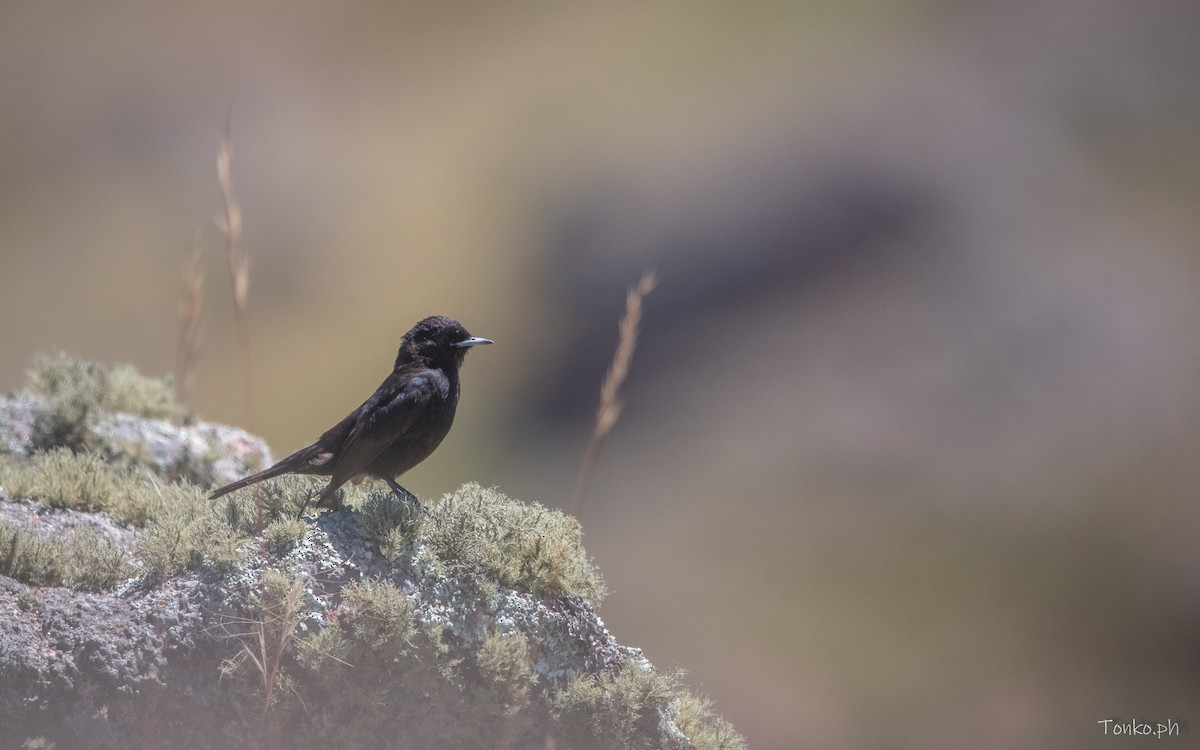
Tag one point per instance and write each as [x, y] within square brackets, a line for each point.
[405, 494]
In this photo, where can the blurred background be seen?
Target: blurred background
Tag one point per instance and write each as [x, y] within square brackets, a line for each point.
[908, 458]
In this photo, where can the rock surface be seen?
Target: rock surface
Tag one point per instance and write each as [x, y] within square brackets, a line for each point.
[310, 635]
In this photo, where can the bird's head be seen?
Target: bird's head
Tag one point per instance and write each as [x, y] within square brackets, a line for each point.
[437, 341]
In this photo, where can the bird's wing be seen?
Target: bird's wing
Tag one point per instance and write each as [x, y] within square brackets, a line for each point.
[383, 419]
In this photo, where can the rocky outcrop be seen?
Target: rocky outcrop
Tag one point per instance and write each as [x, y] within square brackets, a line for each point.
[135, 612]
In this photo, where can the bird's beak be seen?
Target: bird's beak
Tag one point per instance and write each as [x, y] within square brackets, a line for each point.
[473, 341]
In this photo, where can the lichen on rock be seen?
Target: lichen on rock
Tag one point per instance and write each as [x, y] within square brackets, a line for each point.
[136, 611]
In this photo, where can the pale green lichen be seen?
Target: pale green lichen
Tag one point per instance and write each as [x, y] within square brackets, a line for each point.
[391, 522]
[707, 731]
[196, 533]
[326, 652]
[478, 531]
[507, 673]
[14, 475]
[83, 560]
[285, 532]
[381, 620]
[606, 712]
[77, 391]
[61, 478]
[623, 710]
[282, 497]
[368, 662]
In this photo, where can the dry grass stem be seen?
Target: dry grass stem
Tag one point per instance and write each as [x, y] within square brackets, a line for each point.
[271, 629]
[272, 632]
[609, 409]
[191, 322]
[230, 224]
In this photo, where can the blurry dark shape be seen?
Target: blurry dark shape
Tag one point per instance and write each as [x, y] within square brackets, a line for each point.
[398, 426]
[609, 409]
[191, 323]
[723, 253]
[230, 224]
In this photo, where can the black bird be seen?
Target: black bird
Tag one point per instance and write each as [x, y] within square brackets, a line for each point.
[398, 426]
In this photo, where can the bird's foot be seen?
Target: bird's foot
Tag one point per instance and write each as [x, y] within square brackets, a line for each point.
[406, 495]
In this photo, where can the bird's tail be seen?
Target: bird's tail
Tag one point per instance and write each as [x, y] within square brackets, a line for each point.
[300, 462]
[274, 471]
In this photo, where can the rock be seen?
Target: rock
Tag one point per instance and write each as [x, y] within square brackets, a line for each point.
[368, 626]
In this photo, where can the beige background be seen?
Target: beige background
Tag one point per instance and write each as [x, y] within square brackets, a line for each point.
[909, 454]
